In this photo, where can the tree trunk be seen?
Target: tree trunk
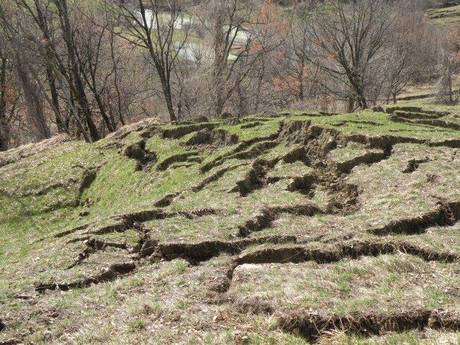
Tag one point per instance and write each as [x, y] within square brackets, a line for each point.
[361, 99]
[4, 135]
[50, 74]
[449, 84]
[61, 126]
[33, 100]
[108, 123]
[260, 81]
[242, 110]
[78, 87]
[166, 86]
[220, 62]
[350, 105]
[300, 79]
[4, 129]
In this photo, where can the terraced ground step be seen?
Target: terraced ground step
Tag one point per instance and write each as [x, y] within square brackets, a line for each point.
[314, 325]
[113, 272]
[352, 250]
[125, 221]
[355, 249]
[203, 251]
[445, 214]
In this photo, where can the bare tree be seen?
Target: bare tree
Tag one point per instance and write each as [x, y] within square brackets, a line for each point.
[294, 71]
[230, 42]
[151, 24]
[347, 38]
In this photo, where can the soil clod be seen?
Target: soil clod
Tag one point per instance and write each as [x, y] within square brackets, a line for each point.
[141, 155]
[413, 165]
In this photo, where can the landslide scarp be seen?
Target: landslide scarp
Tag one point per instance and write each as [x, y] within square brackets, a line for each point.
[227, 225]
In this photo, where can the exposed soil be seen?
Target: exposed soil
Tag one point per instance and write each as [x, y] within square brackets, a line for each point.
[353, 250]
[166, 200]
[256, 178]
[429, 122]
[367, 158]
[453, 143]
[252, 153]
[297, 155]
[89, 176]
[240, 153]
[416, 111]
[251, 125]
[124, 222]
[203, 251]
[266, 217]
[303, 184]
[314, 325]
[445, 214]
[42, 190]
[81, 184]
[326, 179]
[146, 246]
[141, 155]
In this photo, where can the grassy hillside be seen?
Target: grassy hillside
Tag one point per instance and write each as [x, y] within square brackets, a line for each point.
[289, 229]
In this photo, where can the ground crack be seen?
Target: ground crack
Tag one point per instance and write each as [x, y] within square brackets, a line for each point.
[445, 214]
[314, 325]
[112, 273]
[266, 217]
